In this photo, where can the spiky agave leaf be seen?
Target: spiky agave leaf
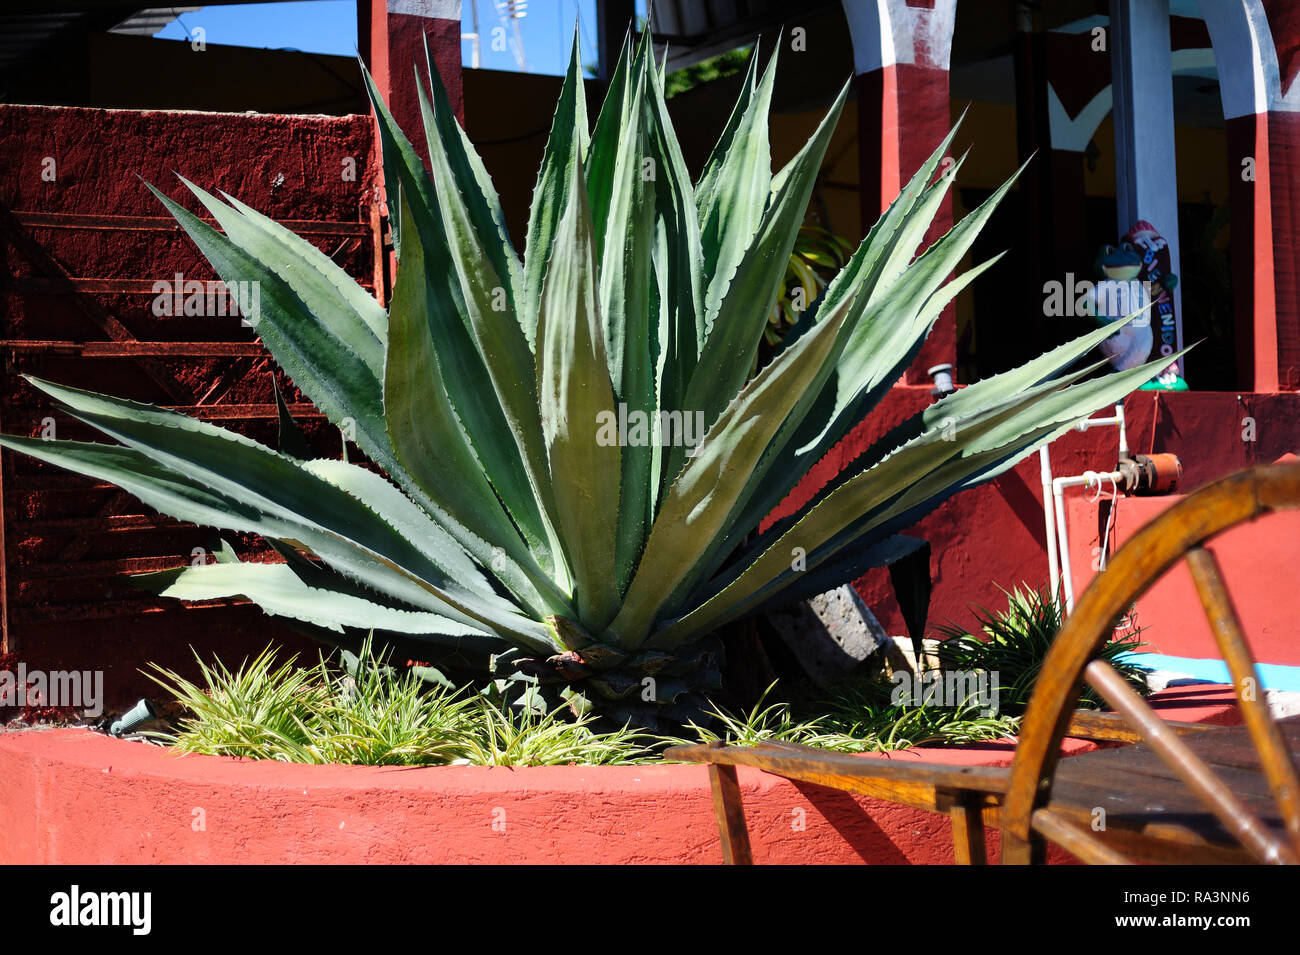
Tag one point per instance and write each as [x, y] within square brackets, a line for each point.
[516, 527]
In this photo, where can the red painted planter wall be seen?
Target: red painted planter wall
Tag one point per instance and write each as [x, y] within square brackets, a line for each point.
[72, 796]
[75, 796]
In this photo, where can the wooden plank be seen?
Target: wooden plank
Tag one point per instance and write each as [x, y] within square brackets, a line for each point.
[1202, 780]
[132, 349]
[1167, 810]
[109, 286]
[95, 223]
[729, 809]
[1141, 763]
[967, 833]
[1102, 726]
[1277, 765]
[840, 770]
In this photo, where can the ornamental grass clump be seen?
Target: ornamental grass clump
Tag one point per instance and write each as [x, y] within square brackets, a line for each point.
[513, 533]
[1014, 644]
[361, 710]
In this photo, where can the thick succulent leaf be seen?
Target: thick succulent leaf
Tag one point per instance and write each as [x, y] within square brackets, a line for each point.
[710, 176]
[624, 247]
[602, 149]
[912, 461]
[326, 367]
[470, 178]
[880, 346]
[574, 389]
[848, 565]
[178, 496]
[910, 574]
[495, 331]
[337, 526]
[702, 496]
[900, 227]
[289, 437]
[950, 410]
[431, 444]
[923, 468]
[733, 338]
[319, 276]
[734, 197]
[861, 366]
[676, 295]
[280, 592]
[161, 488]
[319, 341]
[887, 342]
[462, 366]
[565, 148]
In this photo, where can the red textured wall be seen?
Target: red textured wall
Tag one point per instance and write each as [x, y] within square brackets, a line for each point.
[993, 536]
[1284, 167]
[1258, 561]
[68, 604]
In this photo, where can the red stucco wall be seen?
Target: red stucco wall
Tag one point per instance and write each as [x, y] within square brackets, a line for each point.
[78, 797]
[993, 536]
[66, 607]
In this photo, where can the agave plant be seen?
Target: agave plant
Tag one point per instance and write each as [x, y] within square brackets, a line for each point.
[576, 450]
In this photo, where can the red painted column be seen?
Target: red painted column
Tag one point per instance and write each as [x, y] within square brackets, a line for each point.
[1257, 52]
[1279, 345]
[1264, 163]
[1251, 251]
[901, 50]
[391, 35]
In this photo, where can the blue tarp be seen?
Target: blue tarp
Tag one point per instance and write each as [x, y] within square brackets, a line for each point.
[1274, 676]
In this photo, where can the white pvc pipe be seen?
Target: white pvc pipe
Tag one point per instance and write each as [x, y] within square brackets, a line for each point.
[1086, 479]
[1045, 467]
[1058, 537]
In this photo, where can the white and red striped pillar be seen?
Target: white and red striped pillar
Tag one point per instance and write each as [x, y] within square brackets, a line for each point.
[900, 51]
[391, 36]
[1255, 50]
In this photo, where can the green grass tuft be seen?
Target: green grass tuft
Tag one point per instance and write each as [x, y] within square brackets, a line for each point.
[1015, 642]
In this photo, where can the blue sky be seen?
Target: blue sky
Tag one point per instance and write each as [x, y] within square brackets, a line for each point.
[330, 26]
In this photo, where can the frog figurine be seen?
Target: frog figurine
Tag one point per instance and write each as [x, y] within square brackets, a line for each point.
[1125, 285]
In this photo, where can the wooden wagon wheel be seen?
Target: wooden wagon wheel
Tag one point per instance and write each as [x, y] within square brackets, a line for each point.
[1029, 815]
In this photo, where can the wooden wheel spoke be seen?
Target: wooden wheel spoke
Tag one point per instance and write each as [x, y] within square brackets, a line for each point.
[1275, 757]
[1074, 839]
[1199, 777]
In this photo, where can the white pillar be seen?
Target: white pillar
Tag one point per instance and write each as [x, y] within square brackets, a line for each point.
[1146, 173]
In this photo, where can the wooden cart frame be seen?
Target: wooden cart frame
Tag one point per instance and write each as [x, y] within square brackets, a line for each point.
[1182, 793]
